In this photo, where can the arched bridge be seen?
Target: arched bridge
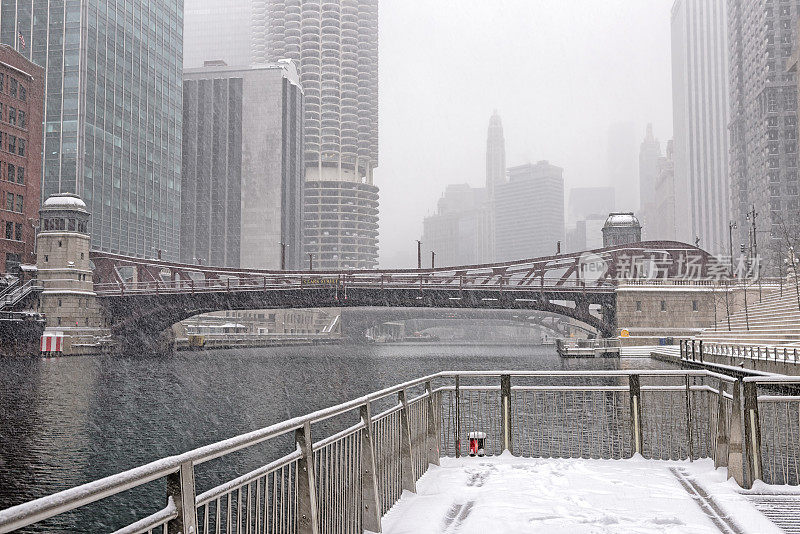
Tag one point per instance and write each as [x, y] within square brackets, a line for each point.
[145, 296]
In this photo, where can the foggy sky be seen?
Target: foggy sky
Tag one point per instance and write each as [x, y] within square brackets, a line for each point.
[559, 72]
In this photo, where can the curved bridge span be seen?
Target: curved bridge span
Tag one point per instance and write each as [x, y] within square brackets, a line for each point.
[145, 296]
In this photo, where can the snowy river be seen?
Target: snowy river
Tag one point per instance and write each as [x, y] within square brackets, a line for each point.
[67, 421]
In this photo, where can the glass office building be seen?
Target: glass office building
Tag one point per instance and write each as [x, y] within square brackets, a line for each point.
[113, 111]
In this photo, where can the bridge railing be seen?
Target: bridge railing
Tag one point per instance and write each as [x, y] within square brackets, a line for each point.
[360, 281]
[377, 446]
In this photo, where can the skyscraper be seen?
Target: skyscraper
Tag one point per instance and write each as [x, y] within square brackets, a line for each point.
[336, 46]
[495, 154]
[763, 120]
[215, 30]
[665, 226]
[457, 232]
[529, 212]
[242, 191]
[649, 152]
[112, 116]
[700, 121]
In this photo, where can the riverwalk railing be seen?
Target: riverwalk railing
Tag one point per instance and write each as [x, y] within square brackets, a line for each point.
[345, 482]
[733, 354]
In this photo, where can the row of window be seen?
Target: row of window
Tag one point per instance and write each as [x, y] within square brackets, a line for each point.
[13, 231]
[12, 115]
[12, 143]
[70, 225]
[12, 85]
[12, 173]
[13, 201]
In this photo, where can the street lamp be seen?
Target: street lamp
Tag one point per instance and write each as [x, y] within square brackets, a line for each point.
[419, 254]
[731, 227]
[283, 255]
[794, 260]
[310, 261]
[433, 260]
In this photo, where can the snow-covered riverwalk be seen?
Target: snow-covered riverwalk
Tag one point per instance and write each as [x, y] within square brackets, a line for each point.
[519, 495]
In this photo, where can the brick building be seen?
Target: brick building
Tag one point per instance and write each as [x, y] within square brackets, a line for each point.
[21, 103]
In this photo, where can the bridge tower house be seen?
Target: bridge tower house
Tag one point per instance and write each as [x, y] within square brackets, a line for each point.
[68, 299]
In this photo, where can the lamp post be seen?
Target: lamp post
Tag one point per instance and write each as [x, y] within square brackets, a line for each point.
[731, 227]
[283, 255]
[310, 261]
[419, 254]
[433, 260]
[794, 269]
[751, 216]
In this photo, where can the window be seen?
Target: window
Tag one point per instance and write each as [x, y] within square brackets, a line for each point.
[71, 226]
[19, 203]
[638, 305]
[9, 230]
[23, 93]
[12, 144]
[695, 307]
[21, 150]
[46, 259]
[10, 201]
[11, 172]
[2, 82]
[21, 119]
[663, 305]
[18, 231]
[12, 115]
[20, 175]
[13, 87]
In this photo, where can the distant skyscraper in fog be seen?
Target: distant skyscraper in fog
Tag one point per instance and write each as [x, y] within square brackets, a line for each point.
[529, 212]
[457, 232]
[664, 226]
[622, 165]
[214, 30]
[649, 153]
[495, 154]
[700, 121]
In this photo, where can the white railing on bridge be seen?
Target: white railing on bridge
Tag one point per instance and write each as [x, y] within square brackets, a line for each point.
[383, 443]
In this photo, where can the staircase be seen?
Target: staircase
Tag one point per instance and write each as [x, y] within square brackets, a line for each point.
[16, 293]
[773, 322]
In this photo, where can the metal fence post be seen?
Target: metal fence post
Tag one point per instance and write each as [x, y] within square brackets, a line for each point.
[689, 436]
[370, 499]
[701, 351]
[634, 387]
[735, 444]
[505, 412]
[721, 441]
[433, 435]
[458, 417]
[180, 488]
[406, 460]
[306, 483]
[752, 432]
[694, 357]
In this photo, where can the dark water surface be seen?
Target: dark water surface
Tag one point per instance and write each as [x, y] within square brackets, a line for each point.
[68, 421]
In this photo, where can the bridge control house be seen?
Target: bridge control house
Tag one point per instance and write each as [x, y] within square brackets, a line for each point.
[65, 273]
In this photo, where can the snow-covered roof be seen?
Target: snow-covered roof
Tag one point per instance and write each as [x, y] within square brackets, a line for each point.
[64, 201]
[621, 219]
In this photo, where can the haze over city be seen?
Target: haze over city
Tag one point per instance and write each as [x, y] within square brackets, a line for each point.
[558, 72]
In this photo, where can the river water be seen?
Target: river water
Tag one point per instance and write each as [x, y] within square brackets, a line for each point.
[67, 421]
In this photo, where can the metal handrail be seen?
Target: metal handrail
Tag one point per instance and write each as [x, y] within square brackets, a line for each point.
[46, 507]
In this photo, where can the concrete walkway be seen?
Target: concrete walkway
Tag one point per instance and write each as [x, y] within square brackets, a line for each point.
[512, 495]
